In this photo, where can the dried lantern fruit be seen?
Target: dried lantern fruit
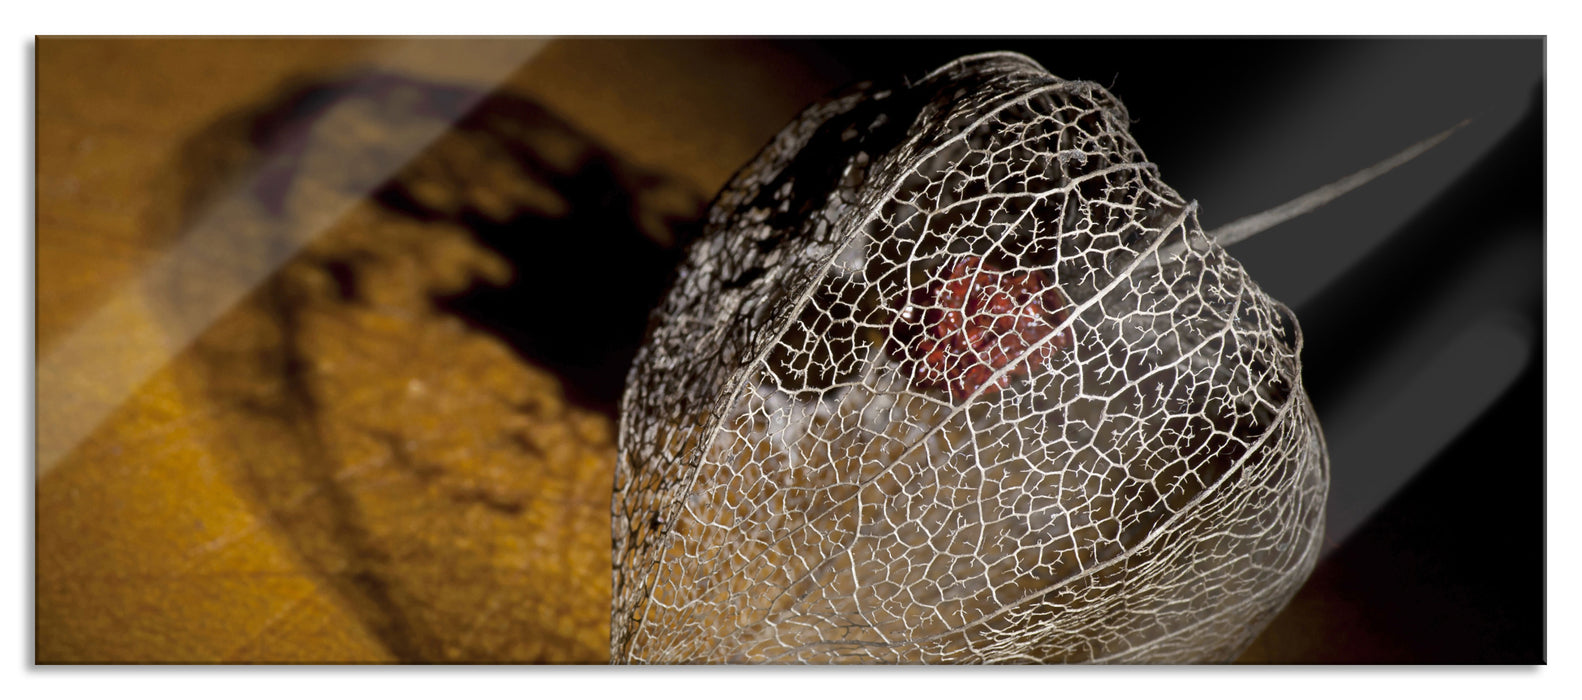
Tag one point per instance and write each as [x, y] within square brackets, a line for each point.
[953, 377]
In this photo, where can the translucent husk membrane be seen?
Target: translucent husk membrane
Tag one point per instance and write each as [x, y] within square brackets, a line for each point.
[862, 431]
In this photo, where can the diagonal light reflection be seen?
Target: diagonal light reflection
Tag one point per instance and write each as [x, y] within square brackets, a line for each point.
[159, 312]
[1425, 389]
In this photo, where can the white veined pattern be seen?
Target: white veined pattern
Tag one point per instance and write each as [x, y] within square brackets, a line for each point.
[790, 487]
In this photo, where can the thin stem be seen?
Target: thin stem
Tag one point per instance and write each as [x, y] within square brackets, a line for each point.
[1249, 226]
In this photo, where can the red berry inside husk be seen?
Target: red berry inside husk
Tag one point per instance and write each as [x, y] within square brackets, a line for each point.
[959, 331]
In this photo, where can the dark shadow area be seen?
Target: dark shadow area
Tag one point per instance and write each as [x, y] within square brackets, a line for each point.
[1452, 570]
[593, 252]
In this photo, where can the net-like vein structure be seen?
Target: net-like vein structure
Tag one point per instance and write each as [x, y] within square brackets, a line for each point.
[953, 377]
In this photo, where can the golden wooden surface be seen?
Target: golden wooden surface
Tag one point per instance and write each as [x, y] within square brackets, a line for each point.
[337, 468]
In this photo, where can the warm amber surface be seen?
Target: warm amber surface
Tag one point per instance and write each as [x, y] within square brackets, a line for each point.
[342, 467]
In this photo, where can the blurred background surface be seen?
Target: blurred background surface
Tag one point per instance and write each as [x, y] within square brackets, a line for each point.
[330, 333]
